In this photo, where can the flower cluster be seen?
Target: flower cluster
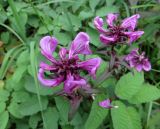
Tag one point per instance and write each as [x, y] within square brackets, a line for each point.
[68, 66]
[118, 33]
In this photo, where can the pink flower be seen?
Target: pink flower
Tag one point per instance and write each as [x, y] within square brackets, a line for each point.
[68, 67]
[106, 104]
[138, 61]
[118, 33]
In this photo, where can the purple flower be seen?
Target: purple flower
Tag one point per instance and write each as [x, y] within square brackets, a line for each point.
[68, 66]
[118, 33]
[106, 104]
[138, 61]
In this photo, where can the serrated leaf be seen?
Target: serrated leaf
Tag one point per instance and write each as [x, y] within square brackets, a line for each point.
[146, 93]
[97, 114]
[51, 117]
[63, 107]
[125, 117]
[128, 85]
[31, 106]
[4, 117]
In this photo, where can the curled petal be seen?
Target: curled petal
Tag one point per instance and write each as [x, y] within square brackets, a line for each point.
[90, 65]
[98, 23]
[133, 36]
[146, 65]
[71, 84]
[63, 52]
[107, 40]
[48, 45]
[48, 82]
[80, 45]
[111, 18]
[46, 66]
[105, 104]
[131, 22]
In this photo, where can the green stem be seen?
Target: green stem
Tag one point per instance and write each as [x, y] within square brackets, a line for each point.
[149, 112]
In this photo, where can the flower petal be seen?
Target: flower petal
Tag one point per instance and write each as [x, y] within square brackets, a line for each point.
[48, 45]
[63, 52]
[48, 82]
[146, 65]
[71, 84]
[132, 54]
[133, 36]
[111, 18]
[105, 104]
[46, 66]
[80, 45]
[139, 67]
[130, 22]
[98, 23]
[90, 65]
[107, 40]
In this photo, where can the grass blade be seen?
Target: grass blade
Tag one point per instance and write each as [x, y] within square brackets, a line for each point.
[34, 70]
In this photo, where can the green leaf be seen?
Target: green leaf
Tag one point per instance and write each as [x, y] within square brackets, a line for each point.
[86, 14]
[51, 117]
[63, 107]
[4, 117]
[93, 4]
[33, 121]
[19, 72]
[14, 110]
[5, 37]
[128, 85]
[31, 106]
[20, 96]
[125, 117]
[146, 93]
[105, 10]
[23, 58]
[94, 36]
[4, 94]
[97, 114]
[63, 38]
[2, 106]
[31, 87]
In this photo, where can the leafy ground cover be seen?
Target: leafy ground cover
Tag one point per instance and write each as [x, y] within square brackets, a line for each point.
[26, 104]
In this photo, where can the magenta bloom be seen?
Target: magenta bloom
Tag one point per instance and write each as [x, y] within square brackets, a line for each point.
[105, 104]
[118, 33]
[138, 61]
[68, 66]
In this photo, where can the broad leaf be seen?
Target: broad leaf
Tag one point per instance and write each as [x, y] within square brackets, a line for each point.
[128, 85]
[147, 93]
[97, 114]
[125, 117]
